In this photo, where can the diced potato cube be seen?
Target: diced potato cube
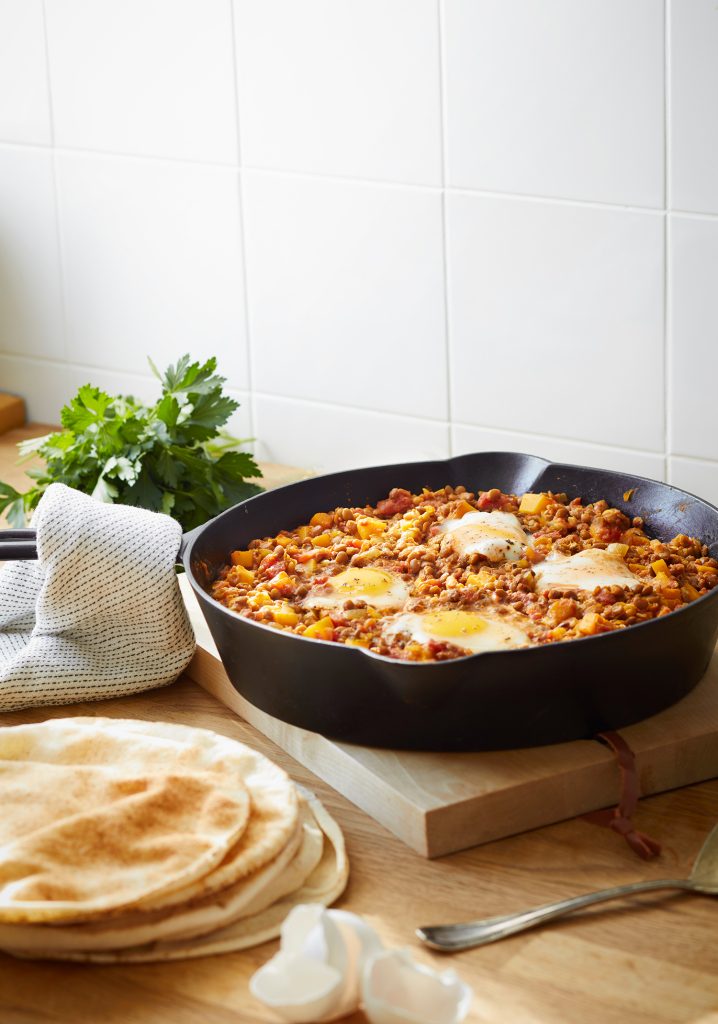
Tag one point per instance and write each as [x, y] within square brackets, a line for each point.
[532, 504]
[368, 526]
[242, 575]
[322, 541]
[323, 519]
[303, 532]
[462, 509]
[590, 624]
[636, 567]
[415, 652]
[259, 598]
[244, 558]
[618, 549]
[689, 592]
[660, 567]
[310, 566]
[323, 629]
[355, 642]
[285, 615]
[479, 579]
[283, 541]
[705, 568]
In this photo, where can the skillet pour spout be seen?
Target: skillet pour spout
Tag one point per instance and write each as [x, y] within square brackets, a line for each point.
[494, 700]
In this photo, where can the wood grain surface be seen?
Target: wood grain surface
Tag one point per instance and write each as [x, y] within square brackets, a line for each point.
[651, 960]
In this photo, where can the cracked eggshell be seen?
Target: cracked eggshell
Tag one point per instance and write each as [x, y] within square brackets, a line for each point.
[316, 976]
[395, 990]
[299, 989]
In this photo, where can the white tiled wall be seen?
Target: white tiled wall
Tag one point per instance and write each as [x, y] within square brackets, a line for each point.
[407, 228]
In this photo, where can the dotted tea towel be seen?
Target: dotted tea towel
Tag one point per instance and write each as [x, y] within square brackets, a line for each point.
[99, 614]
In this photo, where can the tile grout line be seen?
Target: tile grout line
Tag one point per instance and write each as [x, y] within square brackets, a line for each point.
[444, 232]
[242, 237]
[15, 357]
[60, 248]
[528, 197]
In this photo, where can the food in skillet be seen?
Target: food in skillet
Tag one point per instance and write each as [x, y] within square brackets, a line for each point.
[446, 573]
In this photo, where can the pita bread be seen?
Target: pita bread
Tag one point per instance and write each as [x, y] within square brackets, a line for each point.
[81, 836]
[324, 885]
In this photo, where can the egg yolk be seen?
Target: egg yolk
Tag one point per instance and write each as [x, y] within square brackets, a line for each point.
[376, 587]
[451, 625]
[364, 582]
[496, 535]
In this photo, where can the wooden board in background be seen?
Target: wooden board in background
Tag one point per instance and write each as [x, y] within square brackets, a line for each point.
[440, 803]
[12, 412]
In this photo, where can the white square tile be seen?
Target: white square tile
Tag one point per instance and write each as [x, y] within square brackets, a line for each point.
[24, 96]
[340, 88]
[556, 98]
[152, 263]
[329, 438]
[44, 385]
[556, 319]
[693, 279]
[695, 475]
[30, 289]
[693, 67]
[620, 460]
[346, 296]
[145, 77]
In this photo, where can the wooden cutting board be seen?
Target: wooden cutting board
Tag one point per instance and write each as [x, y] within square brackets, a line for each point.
[440, 803]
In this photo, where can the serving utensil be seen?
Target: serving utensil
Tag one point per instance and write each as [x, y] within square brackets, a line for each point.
[452, 937]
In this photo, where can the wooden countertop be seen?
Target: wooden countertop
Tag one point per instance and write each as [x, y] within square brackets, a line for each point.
[611, 965]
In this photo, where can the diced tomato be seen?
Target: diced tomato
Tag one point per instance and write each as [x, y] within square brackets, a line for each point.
[271, 565]
[399, 500]
[609, 533]
[493, 499]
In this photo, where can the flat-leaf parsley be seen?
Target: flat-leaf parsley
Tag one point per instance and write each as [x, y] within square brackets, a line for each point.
[169, 457]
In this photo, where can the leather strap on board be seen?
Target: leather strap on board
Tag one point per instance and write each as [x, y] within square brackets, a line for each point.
[620, 818]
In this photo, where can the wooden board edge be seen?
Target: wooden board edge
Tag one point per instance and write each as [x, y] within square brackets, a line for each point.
[325, 758]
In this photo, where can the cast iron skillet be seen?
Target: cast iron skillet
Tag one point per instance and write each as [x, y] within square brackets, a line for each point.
[514, 698]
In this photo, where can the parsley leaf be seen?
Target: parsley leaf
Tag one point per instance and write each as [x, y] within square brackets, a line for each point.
[171, 457]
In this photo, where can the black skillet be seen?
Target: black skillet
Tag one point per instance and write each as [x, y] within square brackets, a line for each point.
[515, 698]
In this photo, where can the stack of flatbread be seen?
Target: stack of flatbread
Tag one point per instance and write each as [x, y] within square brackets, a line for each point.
[125, 840]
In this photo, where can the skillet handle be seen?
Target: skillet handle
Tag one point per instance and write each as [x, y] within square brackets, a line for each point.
[17, 544]
[187, 539]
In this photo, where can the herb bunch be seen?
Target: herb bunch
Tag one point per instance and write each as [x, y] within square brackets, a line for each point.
[170, 457]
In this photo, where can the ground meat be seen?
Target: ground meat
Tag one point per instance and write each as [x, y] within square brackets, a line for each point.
[404, 538]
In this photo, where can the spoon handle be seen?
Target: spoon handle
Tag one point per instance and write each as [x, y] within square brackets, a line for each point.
[452, 937]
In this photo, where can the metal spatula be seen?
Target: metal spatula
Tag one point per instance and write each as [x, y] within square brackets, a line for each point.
[451, 937]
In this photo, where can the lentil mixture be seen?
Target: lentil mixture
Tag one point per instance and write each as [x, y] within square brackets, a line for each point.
[447, 572]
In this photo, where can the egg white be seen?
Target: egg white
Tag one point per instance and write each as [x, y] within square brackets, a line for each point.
[585, 570]
[472, 631]
[497, 535]
[377, 587]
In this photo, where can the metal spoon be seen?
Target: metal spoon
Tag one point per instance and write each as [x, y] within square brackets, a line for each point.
[451, 937]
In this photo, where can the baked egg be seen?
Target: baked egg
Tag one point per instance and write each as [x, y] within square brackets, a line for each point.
[495, 535]
[376, 587]
[585, 570]
[470, 630]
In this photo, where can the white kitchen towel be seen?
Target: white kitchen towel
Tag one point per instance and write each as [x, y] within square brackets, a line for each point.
[100, 613]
